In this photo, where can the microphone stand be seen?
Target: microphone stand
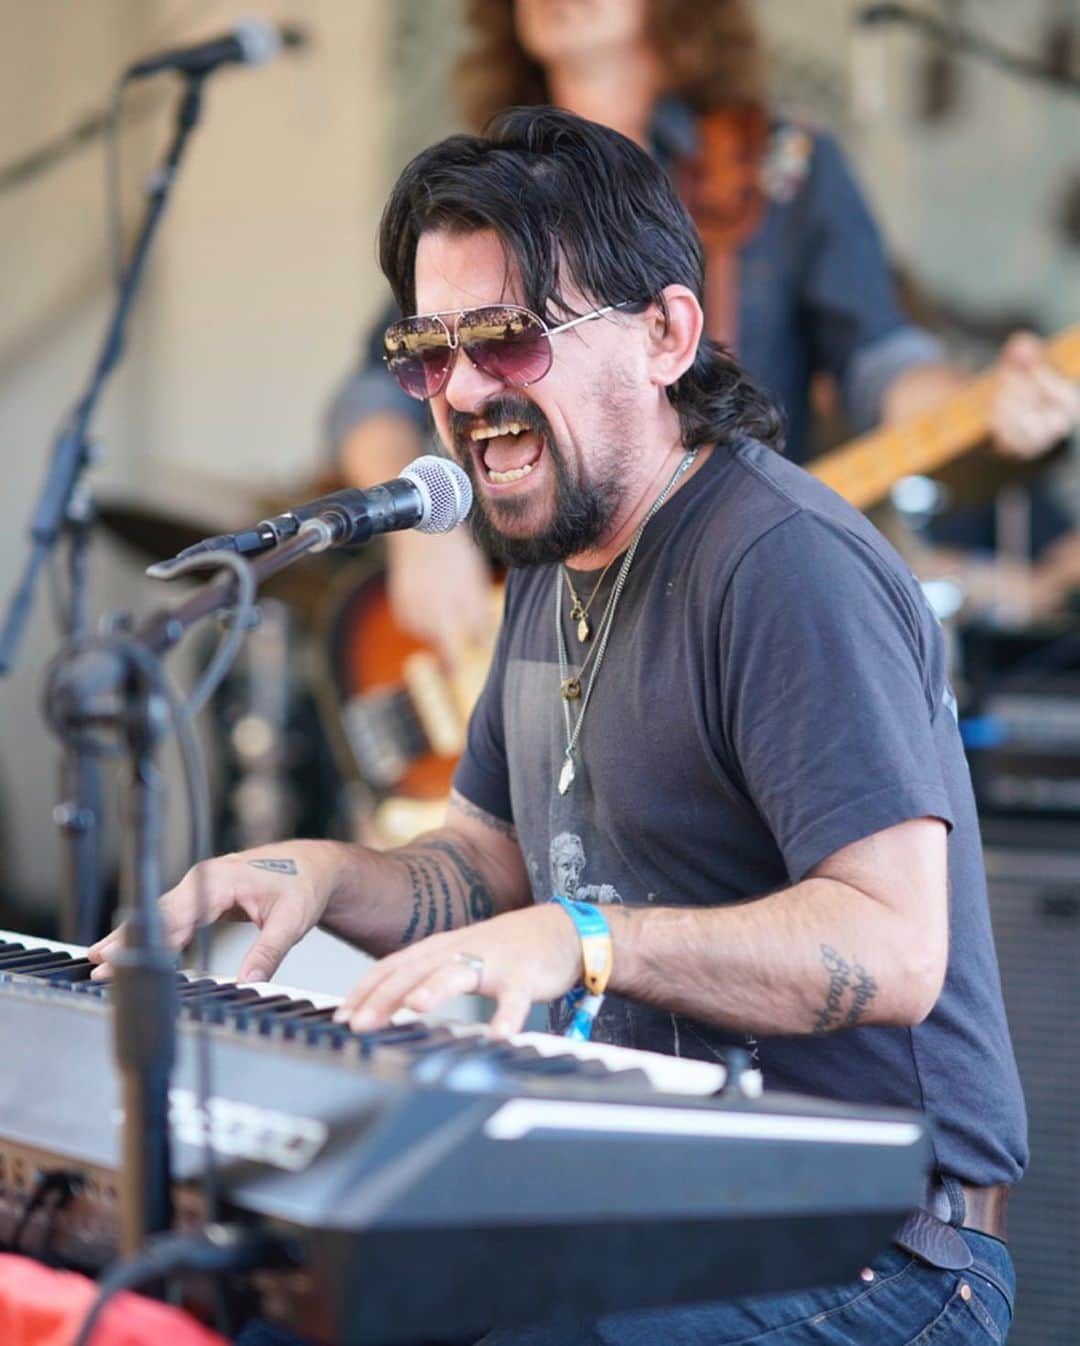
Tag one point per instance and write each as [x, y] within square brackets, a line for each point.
[114, 684]
[65, 507]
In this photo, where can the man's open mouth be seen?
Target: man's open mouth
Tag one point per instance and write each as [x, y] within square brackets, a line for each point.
[506, 450]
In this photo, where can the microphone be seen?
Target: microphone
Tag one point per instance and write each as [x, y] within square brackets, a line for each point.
[252, 42]
[888, 13]
[432, 495]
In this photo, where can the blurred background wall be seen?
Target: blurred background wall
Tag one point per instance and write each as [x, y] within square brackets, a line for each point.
[263, 276]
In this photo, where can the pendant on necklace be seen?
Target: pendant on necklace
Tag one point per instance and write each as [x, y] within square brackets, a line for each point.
[584, 630]
[570, 688]
[566, 775]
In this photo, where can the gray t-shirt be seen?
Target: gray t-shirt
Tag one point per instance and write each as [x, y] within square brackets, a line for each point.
[774, 689]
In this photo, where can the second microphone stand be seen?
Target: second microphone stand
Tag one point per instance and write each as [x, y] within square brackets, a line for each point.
[65, 507]
[114, 684]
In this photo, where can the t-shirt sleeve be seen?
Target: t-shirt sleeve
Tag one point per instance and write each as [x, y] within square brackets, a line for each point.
[482, 775]
[828, 703]
[856, 328]
[369, 390]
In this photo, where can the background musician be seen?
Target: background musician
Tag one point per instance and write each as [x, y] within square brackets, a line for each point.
[756, 746]
[797, 280]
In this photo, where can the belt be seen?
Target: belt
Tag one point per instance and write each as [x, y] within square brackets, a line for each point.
[983, 1207]
[949, 1205]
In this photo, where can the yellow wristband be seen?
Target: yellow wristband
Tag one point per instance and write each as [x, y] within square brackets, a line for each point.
[597, 954]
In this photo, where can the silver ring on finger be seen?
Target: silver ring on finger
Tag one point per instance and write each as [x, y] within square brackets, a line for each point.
[476, 963]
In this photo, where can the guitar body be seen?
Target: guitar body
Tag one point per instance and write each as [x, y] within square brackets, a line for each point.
[397, 718]
[369, 654]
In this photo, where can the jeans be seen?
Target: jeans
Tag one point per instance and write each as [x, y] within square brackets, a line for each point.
[907, 1303]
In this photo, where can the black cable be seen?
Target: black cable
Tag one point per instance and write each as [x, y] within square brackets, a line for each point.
[114, 222]
[242, 618]
[953, 34]
[26, 167]
[65, 1183]
[81, 133]
[181, 714]
[217, 1249]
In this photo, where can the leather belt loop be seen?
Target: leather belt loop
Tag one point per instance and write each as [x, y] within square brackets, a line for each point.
[954, 1191]
[961, 1206]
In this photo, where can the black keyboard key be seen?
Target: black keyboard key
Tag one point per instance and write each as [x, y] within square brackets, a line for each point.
[289, 1027]
[528, 1061]
[266, 1008]
[325, 1034]
[414, 1036]
[100, 989]
[189, 990]
[228, 994]
[77, 970]
[29, 959]
[465, 1063]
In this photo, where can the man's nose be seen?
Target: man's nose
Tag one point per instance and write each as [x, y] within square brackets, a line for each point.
[467, 387]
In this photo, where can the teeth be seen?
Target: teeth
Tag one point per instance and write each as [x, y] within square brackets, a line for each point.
[515, 474]
[493, 431]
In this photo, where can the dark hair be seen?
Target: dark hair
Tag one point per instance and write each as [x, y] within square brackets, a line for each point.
[559, 190]
[711, 55]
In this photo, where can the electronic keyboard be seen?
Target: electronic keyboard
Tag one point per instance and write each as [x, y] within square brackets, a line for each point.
[437, 1180]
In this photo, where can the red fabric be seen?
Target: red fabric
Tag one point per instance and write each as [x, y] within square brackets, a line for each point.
[42, 1307]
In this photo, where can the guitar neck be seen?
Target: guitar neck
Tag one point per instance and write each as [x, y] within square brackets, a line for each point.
[864, 470]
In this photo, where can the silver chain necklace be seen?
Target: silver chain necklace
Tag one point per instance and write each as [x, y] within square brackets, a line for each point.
[570, 688]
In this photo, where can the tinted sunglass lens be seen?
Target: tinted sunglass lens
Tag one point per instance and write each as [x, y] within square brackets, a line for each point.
[418, 355]
[510, 344]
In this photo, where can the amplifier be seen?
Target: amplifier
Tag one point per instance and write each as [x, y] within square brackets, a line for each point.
[1021, 721]
[1035, 904]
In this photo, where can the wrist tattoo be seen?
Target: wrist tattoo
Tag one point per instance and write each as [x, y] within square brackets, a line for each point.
[438, 873]
[275, 866]
[840, 1011]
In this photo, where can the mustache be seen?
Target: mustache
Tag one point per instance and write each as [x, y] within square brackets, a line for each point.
[500, 409]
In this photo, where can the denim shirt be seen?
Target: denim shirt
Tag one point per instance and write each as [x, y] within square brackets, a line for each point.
[814, 294]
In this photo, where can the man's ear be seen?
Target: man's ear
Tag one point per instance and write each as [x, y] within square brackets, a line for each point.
[674, 335]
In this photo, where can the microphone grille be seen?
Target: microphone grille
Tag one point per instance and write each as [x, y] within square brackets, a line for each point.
[259, 41]
[446, 489]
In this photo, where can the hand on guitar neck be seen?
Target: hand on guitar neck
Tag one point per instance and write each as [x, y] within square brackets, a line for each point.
[1034, 405]
[934, 414]
[1030, 399]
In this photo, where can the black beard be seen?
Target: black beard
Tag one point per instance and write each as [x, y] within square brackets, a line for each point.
[583, 511]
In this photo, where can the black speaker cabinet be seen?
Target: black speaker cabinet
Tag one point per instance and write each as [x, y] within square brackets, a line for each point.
[1035, 903]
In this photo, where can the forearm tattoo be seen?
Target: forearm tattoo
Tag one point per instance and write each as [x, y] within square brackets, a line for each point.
[275, 866]
[840, 1009]
[470, 810]
[446, 890]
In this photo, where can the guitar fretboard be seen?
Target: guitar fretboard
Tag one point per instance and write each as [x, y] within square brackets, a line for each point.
[865, 469]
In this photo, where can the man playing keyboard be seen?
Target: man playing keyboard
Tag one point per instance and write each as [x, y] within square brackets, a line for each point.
[716, 690]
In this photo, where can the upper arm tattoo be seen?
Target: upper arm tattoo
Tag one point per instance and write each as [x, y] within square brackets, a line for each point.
[840, 1011]
[470, 810]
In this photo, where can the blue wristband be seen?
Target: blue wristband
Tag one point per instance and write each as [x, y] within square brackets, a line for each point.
[596, 956]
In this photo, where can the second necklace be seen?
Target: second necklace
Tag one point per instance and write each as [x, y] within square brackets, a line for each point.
[570, 689]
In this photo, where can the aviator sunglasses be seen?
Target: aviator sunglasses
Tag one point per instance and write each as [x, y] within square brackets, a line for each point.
[506, 342]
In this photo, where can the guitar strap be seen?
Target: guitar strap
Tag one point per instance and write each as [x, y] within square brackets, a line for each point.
[721, 183]
[739, 166]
